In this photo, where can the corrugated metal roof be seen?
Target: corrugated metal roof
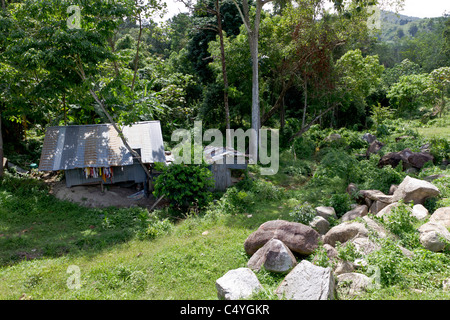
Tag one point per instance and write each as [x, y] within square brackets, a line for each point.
[72, 147]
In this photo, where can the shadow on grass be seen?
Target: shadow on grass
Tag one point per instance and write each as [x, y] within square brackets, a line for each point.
[34, 224]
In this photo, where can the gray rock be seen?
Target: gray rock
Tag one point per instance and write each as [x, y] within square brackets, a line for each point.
[359, 211]
[275, 257]
[344, 232]
[376, 227]
[441, 216]
[364, 245]
[369, 138]
[320, 224]
[377, 206]
[296, 236]
[352, 284]
[237, 284]
[386, 210]
[307, 282]
[420, 212]
[376, 195]
[333, 137]
[326, 212]
[434, 236]
[374, 148]
[344, 267]
[415, 190]
[392, 189]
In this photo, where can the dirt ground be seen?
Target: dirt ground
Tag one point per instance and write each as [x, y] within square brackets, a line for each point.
[92, 195]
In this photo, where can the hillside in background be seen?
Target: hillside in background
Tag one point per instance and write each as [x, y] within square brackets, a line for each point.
[396, 26]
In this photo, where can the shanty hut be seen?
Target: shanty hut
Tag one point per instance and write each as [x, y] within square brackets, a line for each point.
[96, 154]
[222, 160]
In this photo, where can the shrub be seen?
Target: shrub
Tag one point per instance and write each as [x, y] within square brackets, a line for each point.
[185, 186]
[304, 147]
[340, 202]
[303, 213]
[440, 149]
[401, 223]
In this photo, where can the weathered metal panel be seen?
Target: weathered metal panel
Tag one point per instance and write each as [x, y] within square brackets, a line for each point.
[47, 156]
[74, 147]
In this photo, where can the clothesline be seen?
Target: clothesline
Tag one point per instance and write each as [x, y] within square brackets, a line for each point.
[104, 173]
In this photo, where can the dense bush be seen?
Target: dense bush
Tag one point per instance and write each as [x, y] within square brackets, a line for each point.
[185, 186]
[303, 213]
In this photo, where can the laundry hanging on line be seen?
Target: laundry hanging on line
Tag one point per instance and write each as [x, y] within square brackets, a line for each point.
[104, 173]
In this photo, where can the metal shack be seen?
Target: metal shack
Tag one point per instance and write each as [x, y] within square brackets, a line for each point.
[222, 160]
[96, 154]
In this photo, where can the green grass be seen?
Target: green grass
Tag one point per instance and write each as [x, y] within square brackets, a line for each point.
[436, 128]
[113, 262]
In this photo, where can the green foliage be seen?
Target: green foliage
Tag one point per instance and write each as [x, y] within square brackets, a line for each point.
[303, 213]
[402, 224]
[347, 251]
[185, 186]
[360, 77]
[440, 149]
[340, 202]
[411, 92]
[390, 261]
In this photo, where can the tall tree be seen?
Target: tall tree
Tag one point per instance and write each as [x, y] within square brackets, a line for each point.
[252, 19]
[215, 10]
[78, 55]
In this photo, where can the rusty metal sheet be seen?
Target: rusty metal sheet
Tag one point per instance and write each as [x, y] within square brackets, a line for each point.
[72, 147]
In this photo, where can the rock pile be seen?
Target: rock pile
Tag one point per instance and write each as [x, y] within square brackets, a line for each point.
[275, 243]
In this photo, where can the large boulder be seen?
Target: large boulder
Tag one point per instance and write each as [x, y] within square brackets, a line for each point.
[408, 158]
[376, 195]
[320, 224]
[374, 148]
[352, 284]
[344, 232]
[326, 212]
[415, 190]
[419, 212]
[392, 159]
[275, 257]
[296, 236]
[418, 159]
[307, 282]
[237, 284]
[359, 211]
[386, 210]
[434, 236]
[441, 216]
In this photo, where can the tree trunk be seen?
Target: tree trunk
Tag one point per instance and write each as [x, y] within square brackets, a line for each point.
[253, 39]
[305, 128]
[136, 59]
[305, 93]
[65, 110]
[253, 35]
[224, 74]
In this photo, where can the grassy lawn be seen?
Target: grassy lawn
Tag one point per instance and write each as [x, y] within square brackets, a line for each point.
[439, 128]
[41, 237]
